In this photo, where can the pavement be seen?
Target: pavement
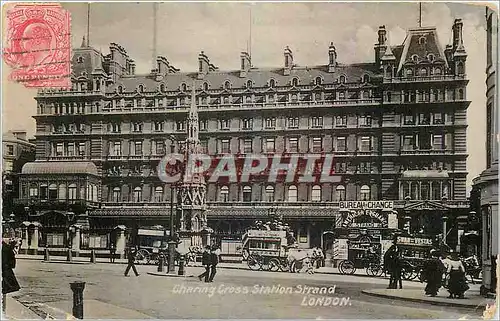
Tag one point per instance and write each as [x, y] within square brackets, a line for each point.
[43, 281]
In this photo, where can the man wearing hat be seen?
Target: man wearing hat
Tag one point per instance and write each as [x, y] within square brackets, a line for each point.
[206, 262]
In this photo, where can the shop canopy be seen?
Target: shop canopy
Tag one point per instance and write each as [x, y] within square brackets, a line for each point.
[419, 174]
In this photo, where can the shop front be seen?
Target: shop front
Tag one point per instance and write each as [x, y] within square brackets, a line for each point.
[362, 226]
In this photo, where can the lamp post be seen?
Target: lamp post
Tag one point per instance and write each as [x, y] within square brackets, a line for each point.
[171, 242]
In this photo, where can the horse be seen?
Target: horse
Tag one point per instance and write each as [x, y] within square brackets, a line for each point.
[300, 259]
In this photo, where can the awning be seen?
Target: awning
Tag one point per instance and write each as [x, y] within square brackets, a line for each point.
[60, 168]
[410, 174]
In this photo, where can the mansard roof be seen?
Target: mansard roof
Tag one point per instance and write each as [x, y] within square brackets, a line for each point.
[60, 168]
[260, 77]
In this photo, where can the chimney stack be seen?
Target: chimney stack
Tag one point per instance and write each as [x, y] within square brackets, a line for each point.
[203, 65]
[381, 46]
[458, 44]
[288, 61]
[162, 65]
[246, 64]
[332, 58]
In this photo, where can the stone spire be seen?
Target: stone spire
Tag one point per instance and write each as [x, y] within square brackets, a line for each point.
[192, 140]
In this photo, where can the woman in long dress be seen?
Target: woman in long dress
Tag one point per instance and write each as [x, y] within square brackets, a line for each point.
[457, 284]
[433, 274]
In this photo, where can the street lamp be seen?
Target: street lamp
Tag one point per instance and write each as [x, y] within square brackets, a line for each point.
[172, 243]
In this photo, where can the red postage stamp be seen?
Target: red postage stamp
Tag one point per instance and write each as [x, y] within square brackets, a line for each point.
[38, 45]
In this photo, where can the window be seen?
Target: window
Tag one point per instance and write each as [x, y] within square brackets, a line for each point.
[224, 124]
[59, 149]
[248, 99]
[461, 94]
[342, 79]
[408, 142]
[249, 84]
[224, 194]
[431, 57]
[438, 119]
[270, 146]
[294, 98]
[316, 193]
[340, 167]
[365, 120]
[33, 191]
[365, 193]
[341, 144]
[272, 83]
[55, 239]
[227, 85]
[53, 191]
[162, 87]
[183, 87]
[269, 193]
[270, 123]
[317, 122]
[137, 148]
[72, 192]
[224, 146]
[158, 126]
[137, 127]
[424, 191]
[364, 167]
[79, 60]
[460, 68]
[317, 97]
[293, 122]
[317, 145]
[10, 150]
[159, 147]
[341, 121]
[293, 144]
[341, 95]
[204, 146]
[117, 149]
[340, 193]
[247, 145]
[366, 144]
[70, 148]
[423, 72]
[409, 72]
[203, 125]
[180, 126]
[140, 88]
[115, 127]
[437, 142]
[366, 78]
[292, 193]
[137, 194]
[247, 194]
[295, 82]
[158, 194]
[437, 71]
[436, 191]
[318, 81]
[247, 123]
[270, 98]
[205, 86]
[424, 119]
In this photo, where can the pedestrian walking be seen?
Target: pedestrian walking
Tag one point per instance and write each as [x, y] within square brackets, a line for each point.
[457, 284]
[389, 262]
[398, 268]
[9, 281]
[433, 274]
[206, 262]
[214, 260]
[131, 259]
[112, 253]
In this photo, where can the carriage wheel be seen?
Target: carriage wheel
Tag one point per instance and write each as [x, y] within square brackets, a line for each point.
[347, 267]
[254, 263]
[142, 256]
[374, 269]
[296, 267]
[274, 265]
[407, 272]
[284, 266]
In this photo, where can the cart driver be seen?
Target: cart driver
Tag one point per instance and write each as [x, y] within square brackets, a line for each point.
[291, 241]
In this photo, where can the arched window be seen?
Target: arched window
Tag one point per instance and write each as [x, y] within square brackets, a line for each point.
[33, 190]
[388, 71]
[342, 79]
[292, 193]
[94, 193]
[431, 57]
[436, 191]
[460, 94]
[62, 192]
[158, 194]
[460, 68]
[366, 78]
[318, 81]
[409, 72]
[272, 83]
[120, 89]
[317, 96]
[79, 60]
[116, 195]
[224, 194]
[422, 40]
[269, 193]
[423, 72]
[424, 191]
[365, 193]
[316, 193]
[227, 85]
[72, 192]
[295, 82]
[294, 98]
[183, 87]
[247, 194]
[340, 193]
[140, 89]
[414, 58]
[52, 191]
[205, 86]
[249, 84]
[162, 87]
[137, 194]
[437, 71]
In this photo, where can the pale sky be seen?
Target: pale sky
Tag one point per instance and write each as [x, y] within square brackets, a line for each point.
[221, 30]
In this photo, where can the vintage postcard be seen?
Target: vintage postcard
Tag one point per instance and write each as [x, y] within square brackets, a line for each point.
[249, 160]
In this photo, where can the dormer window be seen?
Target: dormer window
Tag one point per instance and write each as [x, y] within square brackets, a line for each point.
[205, 86]
[295, 82]
[366, 78]
[437, 71]
[409, 72]
[162, 87]
[423, 72]
[422, 41]
[120, 89]
[79, 60]
[249, 84]
[431, 57]
[183, 87]
[318, 81]
[342, 79]
[272, 83]
[227, 85]
[84, 73]
[414, 58]
[140, 88]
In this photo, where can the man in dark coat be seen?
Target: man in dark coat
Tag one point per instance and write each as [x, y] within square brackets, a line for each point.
[214, 260]
[9, 281]
[206, 262]
[131, 259]
[433, 274]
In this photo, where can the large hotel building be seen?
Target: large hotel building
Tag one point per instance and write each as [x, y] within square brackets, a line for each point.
[396, 127]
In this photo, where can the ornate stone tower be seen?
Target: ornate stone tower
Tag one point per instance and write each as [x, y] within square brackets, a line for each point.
[192, 190]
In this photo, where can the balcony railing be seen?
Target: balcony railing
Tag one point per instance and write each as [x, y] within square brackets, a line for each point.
[424, 78]
[39, 203]
[67, 93]
[427, 152]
